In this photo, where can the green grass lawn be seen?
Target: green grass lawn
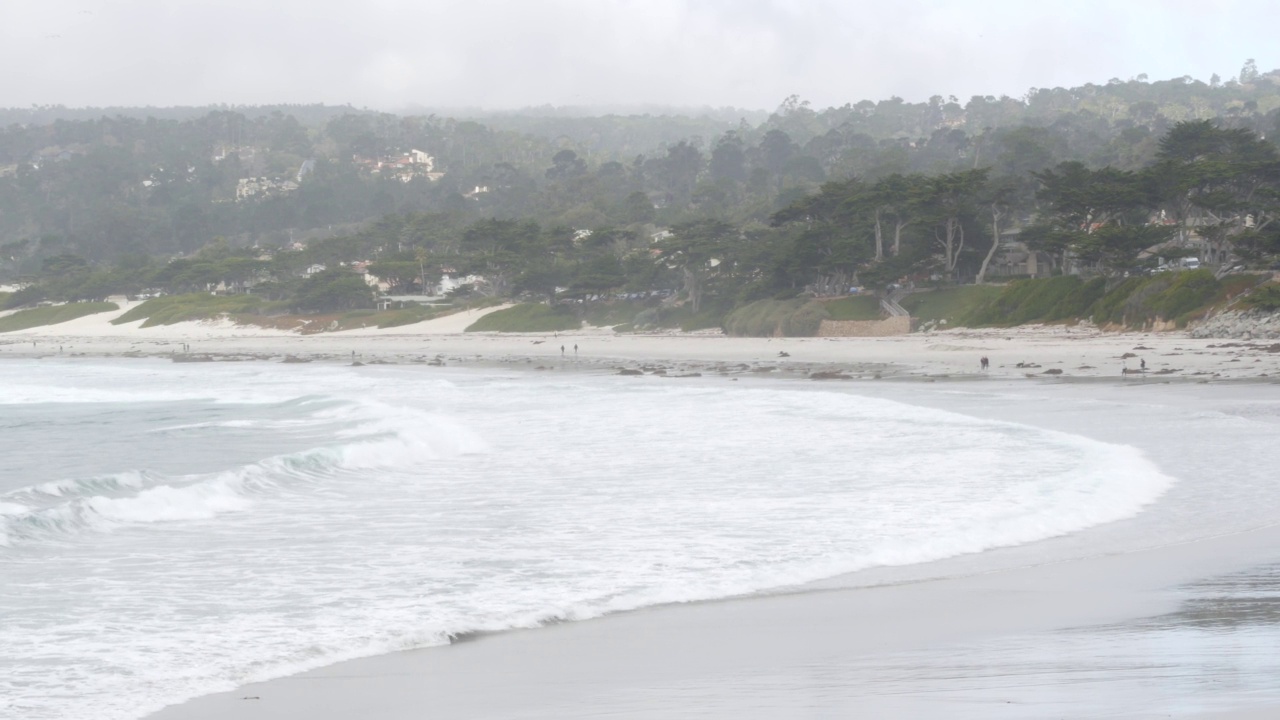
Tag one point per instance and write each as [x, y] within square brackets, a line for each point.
[949, 303]
[52, 315]
[855, 307]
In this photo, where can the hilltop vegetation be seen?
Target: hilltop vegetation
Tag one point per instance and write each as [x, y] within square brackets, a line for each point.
[650, 220]
[102, 183]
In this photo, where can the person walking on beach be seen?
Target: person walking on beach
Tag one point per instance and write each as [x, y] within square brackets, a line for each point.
[984, 362]
[575, 349]
[561, 351]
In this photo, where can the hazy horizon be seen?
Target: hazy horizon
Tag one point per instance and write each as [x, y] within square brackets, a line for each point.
[496, 55]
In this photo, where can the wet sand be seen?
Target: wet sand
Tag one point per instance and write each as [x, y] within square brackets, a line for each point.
[913, 650]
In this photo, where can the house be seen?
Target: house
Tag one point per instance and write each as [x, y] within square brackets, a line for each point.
[260, 187]
[373, 281]
[448, 284]
[403, 167]
[1015, 259]
[244, 152]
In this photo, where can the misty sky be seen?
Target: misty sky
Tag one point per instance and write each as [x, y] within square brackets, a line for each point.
[391, 54]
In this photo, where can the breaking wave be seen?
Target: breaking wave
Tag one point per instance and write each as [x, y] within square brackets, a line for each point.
[375, 436]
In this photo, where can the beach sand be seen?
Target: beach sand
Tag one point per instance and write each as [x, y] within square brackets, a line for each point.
[1048, 352]
[1051, 629]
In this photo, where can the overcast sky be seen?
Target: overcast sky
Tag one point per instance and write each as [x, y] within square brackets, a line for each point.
[497, 54]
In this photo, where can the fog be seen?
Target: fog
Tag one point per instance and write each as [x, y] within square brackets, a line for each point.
[394, 54]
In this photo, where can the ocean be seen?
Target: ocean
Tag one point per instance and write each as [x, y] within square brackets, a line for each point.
[173, 530]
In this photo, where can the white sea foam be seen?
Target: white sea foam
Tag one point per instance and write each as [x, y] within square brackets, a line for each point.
[377, 436]
[435, 510]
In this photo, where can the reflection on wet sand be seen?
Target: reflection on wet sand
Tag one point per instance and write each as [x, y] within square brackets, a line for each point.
[1216, 652]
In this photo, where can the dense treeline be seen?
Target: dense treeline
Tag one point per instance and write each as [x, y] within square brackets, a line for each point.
[805, 203]
[164, 181]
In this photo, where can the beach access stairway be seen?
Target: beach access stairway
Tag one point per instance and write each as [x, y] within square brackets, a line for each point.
[889, 303]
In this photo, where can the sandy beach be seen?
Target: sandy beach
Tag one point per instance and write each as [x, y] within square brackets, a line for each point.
[1044, 352]
[1049, 629]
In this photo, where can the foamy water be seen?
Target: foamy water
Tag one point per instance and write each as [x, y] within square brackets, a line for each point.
[170, 531]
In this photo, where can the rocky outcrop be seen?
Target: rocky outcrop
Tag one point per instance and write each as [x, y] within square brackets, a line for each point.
[1241, 324]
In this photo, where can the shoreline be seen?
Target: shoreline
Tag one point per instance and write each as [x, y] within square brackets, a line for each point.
[716, 653]
[1032, 352]
[703, 657]
[821, 646]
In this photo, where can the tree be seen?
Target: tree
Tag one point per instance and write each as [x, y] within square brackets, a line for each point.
[698, 249]
[333, 291]
[399, 274]
[1099, 217]
[776, 150]
[829, 241]
[998, 199]
[896, 199]
[729, 159]
[1214, 182]
[496, 248]
[952, 198]
[1249, 73]
[566, 164]
[420, 254]
[680, 169]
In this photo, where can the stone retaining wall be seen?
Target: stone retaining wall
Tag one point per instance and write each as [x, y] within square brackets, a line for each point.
[865, 328]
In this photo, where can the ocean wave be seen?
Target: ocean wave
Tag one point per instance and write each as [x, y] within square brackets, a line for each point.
[595, 501]
[377, 436]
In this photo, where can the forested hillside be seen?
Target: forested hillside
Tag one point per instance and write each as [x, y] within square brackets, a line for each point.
[724, 211]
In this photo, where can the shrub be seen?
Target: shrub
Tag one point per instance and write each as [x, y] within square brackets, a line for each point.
[1190, 292]
[1266, 298]
[609, 314]
[805, 321]
[1024, 301]
[529, 317]
[768, 318]
[172, 309]
[1076, 303]
[29, 295]
[52, 315]
[1109, 309]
